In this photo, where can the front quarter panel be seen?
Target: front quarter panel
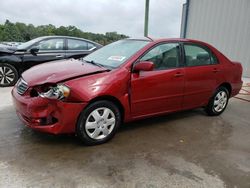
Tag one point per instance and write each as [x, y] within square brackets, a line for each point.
[11, 59]
[113, 84]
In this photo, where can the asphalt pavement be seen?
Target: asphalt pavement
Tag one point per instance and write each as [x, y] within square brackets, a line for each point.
[185, 149]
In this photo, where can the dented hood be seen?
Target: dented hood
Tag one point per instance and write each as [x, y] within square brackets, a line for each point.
[56, 71]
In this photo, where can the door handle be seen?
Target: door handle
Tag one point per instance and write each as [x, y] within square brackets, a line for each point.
[216, 70]
[178, 74]
[58, 56]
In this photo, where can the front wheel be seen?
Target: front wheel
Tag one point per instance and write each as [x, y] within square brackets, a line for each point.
[218, 103]
[98, 123]
[8, 75]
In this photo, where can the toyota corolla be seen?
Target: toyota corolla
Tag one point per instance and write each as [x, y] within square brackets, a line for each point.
[124, 81]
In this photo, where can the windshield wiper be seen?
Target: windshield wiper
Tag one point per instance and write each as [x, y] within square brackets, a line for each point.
[96, 64]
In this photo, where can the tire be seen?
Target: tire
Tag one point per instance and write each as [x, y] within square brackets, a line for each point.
[8, 75]
[218, 103]
[98, 123]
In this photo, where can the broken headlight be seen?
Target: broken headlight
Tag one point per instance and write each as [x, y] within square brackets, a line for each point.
[59, 92]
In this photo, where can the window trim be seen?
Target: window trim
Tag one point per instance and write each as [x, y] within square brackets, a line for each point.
[201, 46]
[179, 63]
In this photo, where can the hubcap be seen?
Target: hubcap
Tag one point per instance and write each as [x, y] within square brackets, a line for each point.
[7, 75]
[100, 123]
[220, 101]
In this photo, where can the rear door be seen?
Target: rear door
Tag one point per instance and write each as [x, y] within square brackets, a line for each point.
[160, 90]
[48, 50]
[202, 72]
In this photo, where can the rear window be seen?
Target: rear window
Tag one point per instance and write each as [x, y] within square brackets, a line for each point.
[74, 44]
[196, 55]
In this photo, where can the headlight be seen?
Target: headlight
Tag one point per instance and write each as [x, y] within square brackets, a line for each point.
[58, 92]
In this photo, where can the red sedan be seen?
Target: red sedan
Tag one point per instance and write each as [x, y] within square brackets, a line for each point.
[127, 80]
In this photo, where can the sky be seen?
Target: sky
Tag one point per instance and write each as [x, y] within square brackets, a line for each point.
[98, 16]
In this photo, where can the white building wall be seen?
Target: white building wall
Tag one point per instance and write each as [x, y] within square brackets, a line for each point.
[225, 24]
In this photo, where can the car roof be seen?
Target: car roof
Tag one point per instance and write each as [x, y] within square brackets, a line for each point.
[68, 37]
[159, 40]
[140, 38]
[165, 39]
[177, 39]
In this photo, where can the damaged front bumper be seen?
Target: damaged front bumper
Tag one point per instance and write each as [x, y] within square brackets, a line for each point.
[45, 115]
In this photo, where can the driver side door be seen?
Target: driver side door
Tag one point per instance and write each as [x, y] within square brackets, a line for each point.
[48, 50]
[160, 90]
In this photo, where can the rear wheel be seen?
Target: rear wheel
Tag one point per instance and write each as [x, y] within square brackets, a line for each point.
[8, 75]
[98, 123]
[218, 102]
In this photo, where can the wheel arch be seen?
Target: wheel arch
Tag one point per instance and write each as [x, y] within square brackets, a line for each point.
[12, 64]
[111, 99]
[13, 60]
[227, 86]
[17, 67]
[16, 73]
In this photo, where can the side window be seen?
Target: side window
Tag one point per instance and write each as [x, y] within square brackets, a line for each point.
[90, 45]
[213, 59]
[163, 56]
[77, 44]
[51, 44]
[196, 56]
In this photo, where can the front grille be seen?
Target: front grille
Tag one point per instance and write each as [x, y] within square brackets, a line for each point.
[22, 86]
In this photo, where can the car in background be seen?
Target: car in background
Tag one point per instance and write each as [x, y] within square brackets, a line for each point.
[12, 44]
[15, 60]
[124, 81]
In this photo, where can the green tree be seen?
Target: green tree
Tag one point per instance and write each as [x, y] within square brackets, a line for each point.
[10, 32]
[22, 32]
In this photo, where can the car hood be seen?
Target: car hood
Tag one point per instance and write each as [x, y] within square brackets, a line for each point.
[57, 71]
[7, 50]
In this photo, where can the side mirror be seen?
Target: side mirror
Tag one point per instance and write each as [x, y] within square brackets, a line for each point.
[144, 66]
[34, 50]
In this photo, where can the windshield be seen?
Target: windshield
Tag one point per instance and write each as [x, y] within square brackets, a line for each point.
[29, 43]
[115, 54]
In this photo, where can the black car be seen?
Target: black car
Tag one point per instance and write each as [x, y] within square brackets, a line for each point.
[13, 61]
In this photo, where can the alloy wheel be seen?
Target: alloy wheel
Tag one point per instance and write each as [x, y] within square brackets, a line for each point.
[220, 101]
[7, 75]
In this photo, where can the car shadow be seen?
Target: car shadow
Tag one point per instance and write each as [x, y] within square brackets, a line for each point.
[159, 120]
[29, 135]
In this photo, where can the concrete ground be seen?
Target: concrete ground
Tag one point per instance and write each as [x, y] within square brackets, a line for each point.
[186, 149]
